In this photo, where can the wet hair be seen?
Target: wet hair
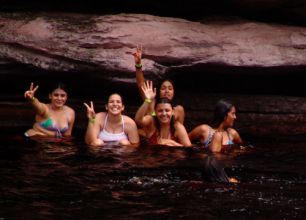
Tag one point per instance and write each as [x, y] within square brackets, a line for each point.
[172, 121]
[165, 80]
[222, 108]
[115, 94]
[59, 85]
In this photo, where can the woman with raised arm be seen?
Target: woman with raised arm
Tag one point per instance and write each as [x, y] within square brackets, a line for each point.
[166, 89]
[222, 133]
[110, 127]
[54, 119]
[161, 129]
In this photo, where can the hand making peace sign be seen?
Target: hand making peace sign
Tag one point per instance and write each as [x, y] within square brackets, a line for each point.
[148, 90]
[29, 94]
[90, 110]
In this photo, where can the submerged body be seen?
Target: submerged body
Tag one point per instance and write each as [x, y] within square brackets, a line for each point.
[162, 128]
[222, 133]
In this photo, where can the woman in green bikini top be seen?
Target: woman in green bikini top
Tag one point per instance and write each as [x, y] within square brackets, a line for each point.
[54, 119]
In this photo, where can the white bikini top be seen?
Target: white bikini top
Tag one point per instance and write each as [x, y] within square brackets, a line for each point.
[112, 137]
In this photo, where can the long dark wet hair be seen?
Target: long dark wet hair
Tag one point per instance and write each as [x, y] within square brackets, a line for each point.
[172, 121]
[173, 101]
[222, 108]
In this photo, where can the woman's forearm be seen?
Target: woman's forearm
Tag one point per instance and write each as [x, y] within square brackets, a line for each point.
[140, 81]
[141, 112]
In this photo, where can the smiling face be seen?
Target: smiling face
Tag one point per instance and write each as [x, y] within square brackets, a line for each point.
[114, 105]
[164, 113]
[166, 90]
[230, 118]
[58, 98]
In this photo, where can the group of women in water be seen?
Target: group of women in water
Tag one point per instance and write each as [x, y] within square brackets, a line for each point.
[157, 119]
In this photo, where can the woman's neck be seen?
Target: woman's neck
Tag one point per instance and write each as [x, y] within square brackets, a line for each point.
[114, 119]
[165, 132]
[56, 109]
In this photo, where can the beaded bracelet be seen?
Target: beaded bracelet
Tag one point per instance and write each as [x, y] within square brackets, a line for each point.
[138, 65]
[92, 120]
[148, 101]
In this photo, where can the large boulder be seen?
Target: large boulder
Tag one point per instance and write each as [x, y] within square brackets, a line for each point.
[75, 42]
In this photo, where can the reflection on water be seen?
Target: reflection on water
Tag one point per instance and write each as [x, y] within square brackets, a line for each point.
[69, 180]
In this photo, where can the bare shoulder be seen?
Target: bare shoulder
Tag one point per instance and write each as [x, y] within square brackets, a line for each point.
[203, 128]
[232, 131]
[128, 120]
[69, 110]
[100, 117]
[178, 125]
[218, 135]
[179, 108]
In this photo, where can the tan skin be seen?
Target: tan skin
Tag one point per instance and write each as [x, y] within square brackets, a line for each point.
[220, 136]
[164, 113]
[114, 109]
[166, 89]
[61, 114]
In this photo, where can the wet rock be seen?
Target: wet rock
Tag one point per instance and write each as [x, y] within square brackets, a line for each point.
[93, 52]
[82, 43]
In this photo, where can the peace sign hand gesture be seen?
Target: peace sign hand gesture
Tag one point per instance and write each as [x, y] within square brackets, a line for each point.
[90, 111]
[138, 54]
[29, 94]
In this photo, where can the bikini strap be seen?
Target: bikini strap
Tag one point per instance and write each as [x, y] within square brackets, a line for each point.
[228, 135]
[66, 114]
[105, 121]
[122, 123]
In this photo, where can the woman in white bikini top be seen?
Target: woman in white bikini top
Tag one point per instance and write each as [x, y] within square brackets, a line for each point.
[107, 136]
[110, 126]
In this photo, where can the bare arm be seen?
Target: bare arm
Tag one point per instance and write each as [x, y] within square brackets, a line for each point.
[182, 135]
[169, 142]
[200, 132]
[140, 81]
[216, 142]
[236, 137]
[39, 107]
[70, 123]
[179, 114]
[132, 131]
[139, 73]
[93, 127]
[150, 94]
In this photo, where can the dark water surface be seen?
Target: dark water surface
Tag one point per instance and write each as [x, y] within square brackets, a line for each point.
[69, 180]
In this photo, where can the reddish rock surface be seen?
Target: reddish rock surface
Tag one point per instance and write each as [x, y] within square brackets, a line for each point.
[75, 42]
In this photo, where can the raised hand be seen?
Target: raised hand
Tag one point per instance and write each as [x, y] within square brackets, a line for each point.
[148, 90]
[90, 110]
[138, 54]
[29, 94]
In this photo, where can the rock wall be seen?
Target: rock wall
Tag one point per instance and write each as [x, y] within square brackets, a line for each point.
[78, 43]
